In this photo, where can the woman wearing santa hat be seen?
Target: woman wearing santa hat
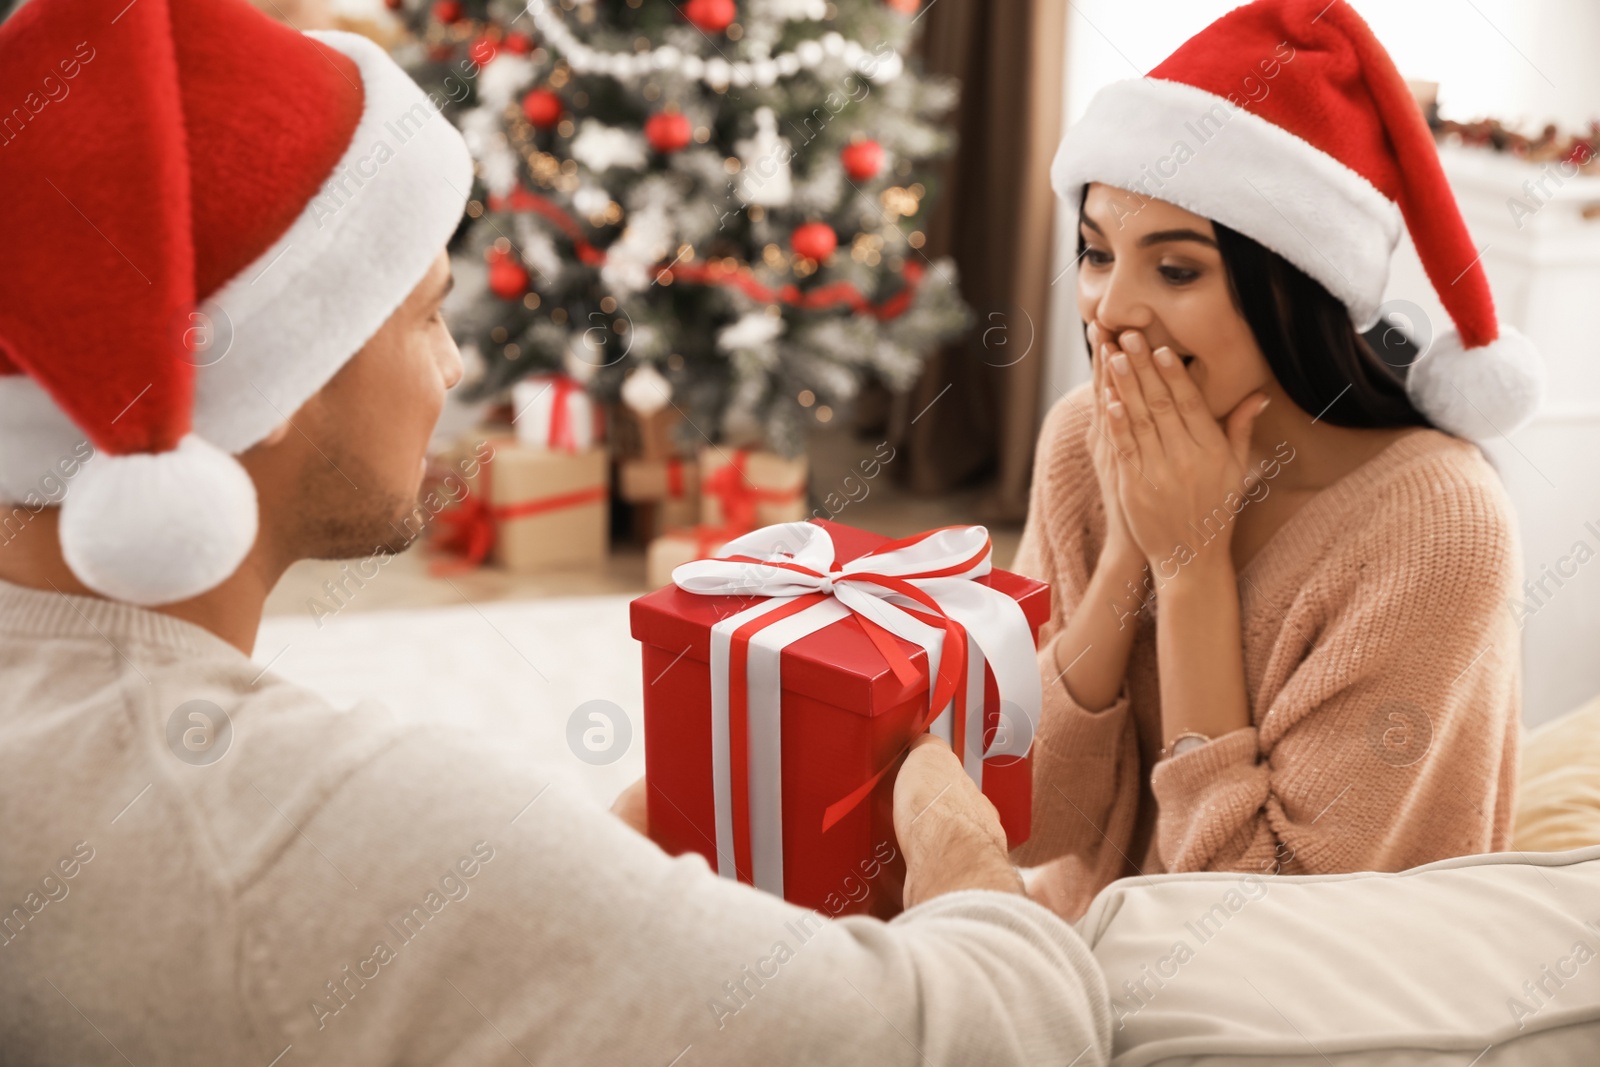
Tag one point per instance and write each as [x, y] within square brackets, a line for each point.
[1281, 562]
[222, 351]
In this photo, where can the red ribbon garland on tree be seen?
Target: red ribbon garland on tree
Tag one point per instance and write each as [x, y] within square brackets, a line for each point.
[834, 294]
[526, 200]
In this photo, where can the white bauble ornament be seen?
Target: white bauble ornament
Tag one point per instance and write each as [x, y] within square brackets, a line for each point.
[764, 172]
[753, 330]
[590, 199]
[501, 81]
[882, 68]
[498, 168]
[586, 353]
[646, 391]
[790, 10]
[600, 147]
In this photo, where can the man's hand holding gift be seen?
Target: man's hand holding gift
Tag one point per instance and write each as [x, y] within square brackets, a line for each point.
[949, 832]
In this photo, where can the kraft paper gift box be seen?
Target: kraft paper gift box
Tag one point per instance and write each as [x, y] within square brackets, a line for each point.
[665, 494]
[637, 436]
[845, 715]
[745, 489]
[532, 509]
[683, 545]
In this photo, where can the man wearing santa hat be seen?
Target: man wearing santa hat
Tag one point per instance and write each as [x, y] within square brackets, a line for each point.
[221, 351]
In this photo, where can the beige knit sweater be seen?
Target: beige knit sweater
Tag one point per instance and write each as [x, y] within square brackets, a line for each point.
[1382, 663]
[348, 889]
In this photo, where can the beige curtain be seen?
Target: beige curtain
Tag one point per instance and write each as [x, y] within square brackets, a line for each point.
[995, 214]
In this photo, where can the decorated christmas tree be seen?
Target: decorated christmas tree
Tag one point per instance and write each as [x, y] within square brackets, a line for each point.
[711, 204]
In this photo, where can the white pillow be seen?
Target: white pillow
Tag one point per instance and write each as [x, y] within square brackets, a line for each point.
[1480, 960]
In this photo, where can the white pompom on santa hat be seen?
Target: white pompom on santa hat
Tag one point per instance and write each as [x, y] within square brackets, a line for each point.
[1287, 121]
[218, 216]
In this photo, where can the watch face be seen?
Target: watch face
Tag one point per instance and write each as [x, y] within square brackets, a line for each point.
[1185, 744]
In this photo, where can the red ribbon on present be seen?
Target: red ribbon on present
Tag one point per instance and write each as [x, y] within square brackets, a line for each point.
[738, 497]
[896, 591]
[947, 684]
[562, 436]
[473, 523]
[675, 486]
[738, 500]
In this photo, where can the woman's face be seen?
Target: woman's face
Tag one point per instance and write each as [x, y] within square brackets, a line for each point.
[1153, 267]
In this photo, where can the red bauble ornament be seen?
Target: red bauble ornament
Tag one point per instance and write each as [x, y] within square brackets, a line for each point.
[862, 160]
[712, 16]
[542, 107]
[905, 7]
[508, 279]
[814, 240]
[393, 5]
[668, 131]
[483, 51]
[448, 11]
[518, 44]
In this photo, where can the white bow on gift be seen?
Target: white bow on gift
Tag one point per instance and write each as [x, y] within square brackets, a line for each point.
[920, 589]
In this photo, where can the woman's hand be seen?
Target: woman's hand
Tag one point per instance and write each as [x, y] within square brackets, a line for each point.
[1176, 464]
[1120, 546]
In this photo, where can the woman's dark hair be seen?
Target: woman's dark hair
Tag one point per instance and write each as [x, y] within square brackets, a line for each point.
[1328, 367]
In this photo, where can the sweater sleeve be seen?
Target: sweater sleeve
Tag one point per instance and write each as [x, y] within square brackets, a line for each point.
[452, 904]
[1392, 742]
[1085, 762]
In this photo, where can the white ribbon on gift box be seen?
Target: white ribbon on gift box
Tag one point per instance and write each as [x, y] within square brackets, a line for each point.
[784, 562]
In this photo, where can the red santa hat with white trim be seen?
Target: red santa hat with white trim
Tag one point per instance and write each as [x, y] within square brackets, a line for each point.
[205, 214]
[1287, 121]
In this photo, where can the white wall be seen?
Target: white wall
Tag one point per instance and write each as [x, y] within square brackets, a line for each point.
[1529, 60]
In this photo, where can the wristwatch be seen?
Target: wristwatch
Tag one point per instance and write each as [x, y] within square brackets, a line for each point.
[1184, 742]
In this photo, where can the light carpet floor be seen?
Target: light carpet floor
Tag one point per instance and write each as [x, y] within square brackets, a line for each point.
[514, 670]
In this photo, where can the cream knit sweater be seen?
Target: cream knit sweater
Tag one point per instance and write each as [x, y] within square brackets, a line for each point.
[1382, 663]
[344, 888]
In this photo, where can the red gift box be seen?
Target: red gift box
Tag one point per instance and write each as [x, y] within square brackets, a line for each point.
[853, 697]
